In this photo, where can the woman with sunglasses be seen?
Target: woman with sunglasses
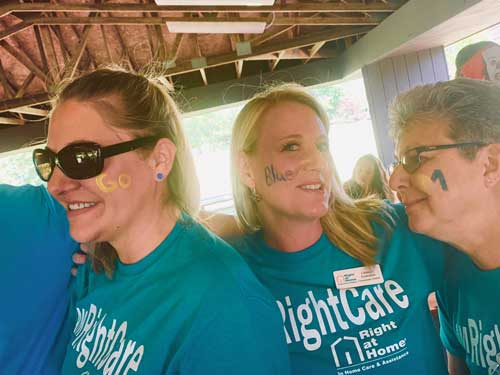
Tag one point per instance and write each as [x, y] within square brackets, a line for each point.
[311, 245]
[160, 295]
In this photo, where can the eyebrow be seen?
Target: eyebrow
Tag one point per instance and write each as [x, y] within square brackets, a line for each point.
[292, 136]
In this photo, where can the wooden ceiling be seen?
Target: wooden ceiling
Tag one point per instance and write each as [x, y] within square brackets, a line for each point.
[43, 42]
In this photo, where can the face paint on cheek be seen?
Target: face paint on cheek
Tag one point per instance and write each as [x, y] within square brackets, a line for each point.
[124, 181]
[438, 175]
[423, 183]
[103, 186]
[273, 176]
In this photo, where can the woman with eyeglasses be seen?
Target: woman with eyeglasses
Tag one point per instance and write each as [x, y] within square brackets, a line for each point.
[350, 279]
[448, 177]
[160, 295]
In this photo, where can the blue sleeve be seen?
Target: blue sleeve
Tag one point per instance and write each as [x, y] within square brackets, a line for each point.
[448, 336]
[232, 340]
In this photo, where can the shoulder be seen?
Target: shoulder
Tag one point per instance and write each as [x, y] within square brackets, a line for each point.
[218, 263]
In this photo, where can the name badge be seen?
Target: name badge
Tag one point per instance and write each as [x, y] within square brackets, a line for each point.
[359, 276]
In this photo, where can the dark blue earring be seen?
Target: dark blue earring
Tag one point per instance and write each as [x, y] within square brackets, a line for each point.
[159, 177]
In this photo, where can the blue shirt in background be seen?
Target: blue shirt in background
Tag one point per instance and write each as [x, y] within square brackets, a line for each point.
[380, 329]
[35, 263]
[190, 307]
[469, 313]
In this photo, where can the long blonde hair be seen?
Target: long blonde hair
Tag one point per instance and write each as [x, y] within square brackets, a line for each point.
[347, 223]
[143, 106]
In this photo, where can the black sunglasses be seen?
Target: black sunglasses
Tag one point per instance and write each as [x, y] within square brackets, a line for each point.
[80, 161]
[411, 159]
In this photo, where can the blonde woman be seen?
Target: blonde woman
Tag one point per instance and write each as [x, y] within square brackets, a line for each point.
[311, 245]
[163, 295]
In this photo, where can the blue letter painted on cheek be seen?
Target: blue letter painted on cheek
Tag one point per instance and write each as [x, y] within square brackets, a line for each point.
[438, 175]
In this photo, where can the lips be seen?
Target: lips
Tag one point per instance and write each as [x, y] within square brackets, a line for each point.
[412, 203]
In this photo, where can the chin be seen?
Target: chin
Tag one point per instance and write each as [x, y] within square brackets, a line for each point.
[83, 235]
[419, 224]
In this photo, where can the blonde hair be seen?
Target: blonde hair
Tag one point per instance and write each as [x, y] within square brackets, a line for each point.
[143, 106]
[347, 223]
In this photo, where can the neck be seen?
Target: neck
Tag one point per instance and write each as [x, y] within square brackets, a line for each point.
[290, 235]
[149, 229]
[479, 238]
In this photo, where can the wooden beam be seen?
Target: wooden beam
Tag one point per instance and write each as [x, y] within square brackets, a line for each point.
[106, 45]
[25, 85]
[11, 121]
[31, 111]
[198, 52]
[8, 105]
[130, 59]
[303, 41]
[314, 49]
[70, 68]
[7, 87]
[278, 21]
[24, 59]
[137, 8]
[65, 50]
[274, 64]
[239, 68]
[48, 46]
[41, 49]
[15, 29]
[177, 46]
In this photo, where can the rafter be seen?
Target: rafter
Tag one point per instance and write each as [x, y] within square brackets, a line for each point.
[11, 121]
[299, 42]
[48, 46]
[24, 59]
[31, 111]
[106, 45]
[25, 85]
[273, 64]
[179, 38]
[314, 50]
[130, 59]
[198, 52]
[8, 105]
[7, 87]
[41, 49]
[292, 8]
[70, 68]
[278, 21]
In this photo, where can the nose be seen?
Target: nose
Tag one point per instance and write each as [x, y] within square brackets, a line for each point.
[316, 160]
[399, 179]
[59, 183]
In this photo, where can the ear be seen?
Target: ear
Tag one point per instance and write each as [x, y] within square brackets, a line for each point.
[163, 156]
[492, 165]
[245, 170]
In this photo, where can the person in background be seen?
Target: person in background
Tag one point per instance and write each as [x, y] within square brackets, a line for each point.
[159, 294]
[35, 262]
[369, 178]
[448, 177]
[350, 279]
[479, 61]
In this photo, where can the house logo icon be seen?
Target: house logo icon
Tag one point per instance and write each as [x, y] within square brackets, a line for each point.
[346, 350]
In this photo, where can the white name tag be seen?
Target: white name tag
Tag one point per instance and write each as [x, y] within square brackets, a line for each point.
[359, 276]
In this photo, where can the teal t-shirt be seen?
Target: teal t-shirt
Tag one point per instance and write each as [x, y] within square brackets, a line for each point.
[192, 306]
[469, 313]
[385, 328]
[35, 263]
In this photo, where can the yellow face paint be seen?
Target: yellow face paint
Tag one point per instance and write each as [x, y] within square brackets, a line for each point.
[103, 186]
[124, 181]
[422, 183]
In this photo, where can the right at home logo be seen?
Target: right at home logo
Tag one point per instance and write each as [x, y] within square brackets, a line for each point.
[356, 354]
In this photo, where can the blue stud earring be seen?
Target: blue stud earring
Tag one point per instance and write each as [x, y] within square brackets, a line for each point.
[159, 177]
